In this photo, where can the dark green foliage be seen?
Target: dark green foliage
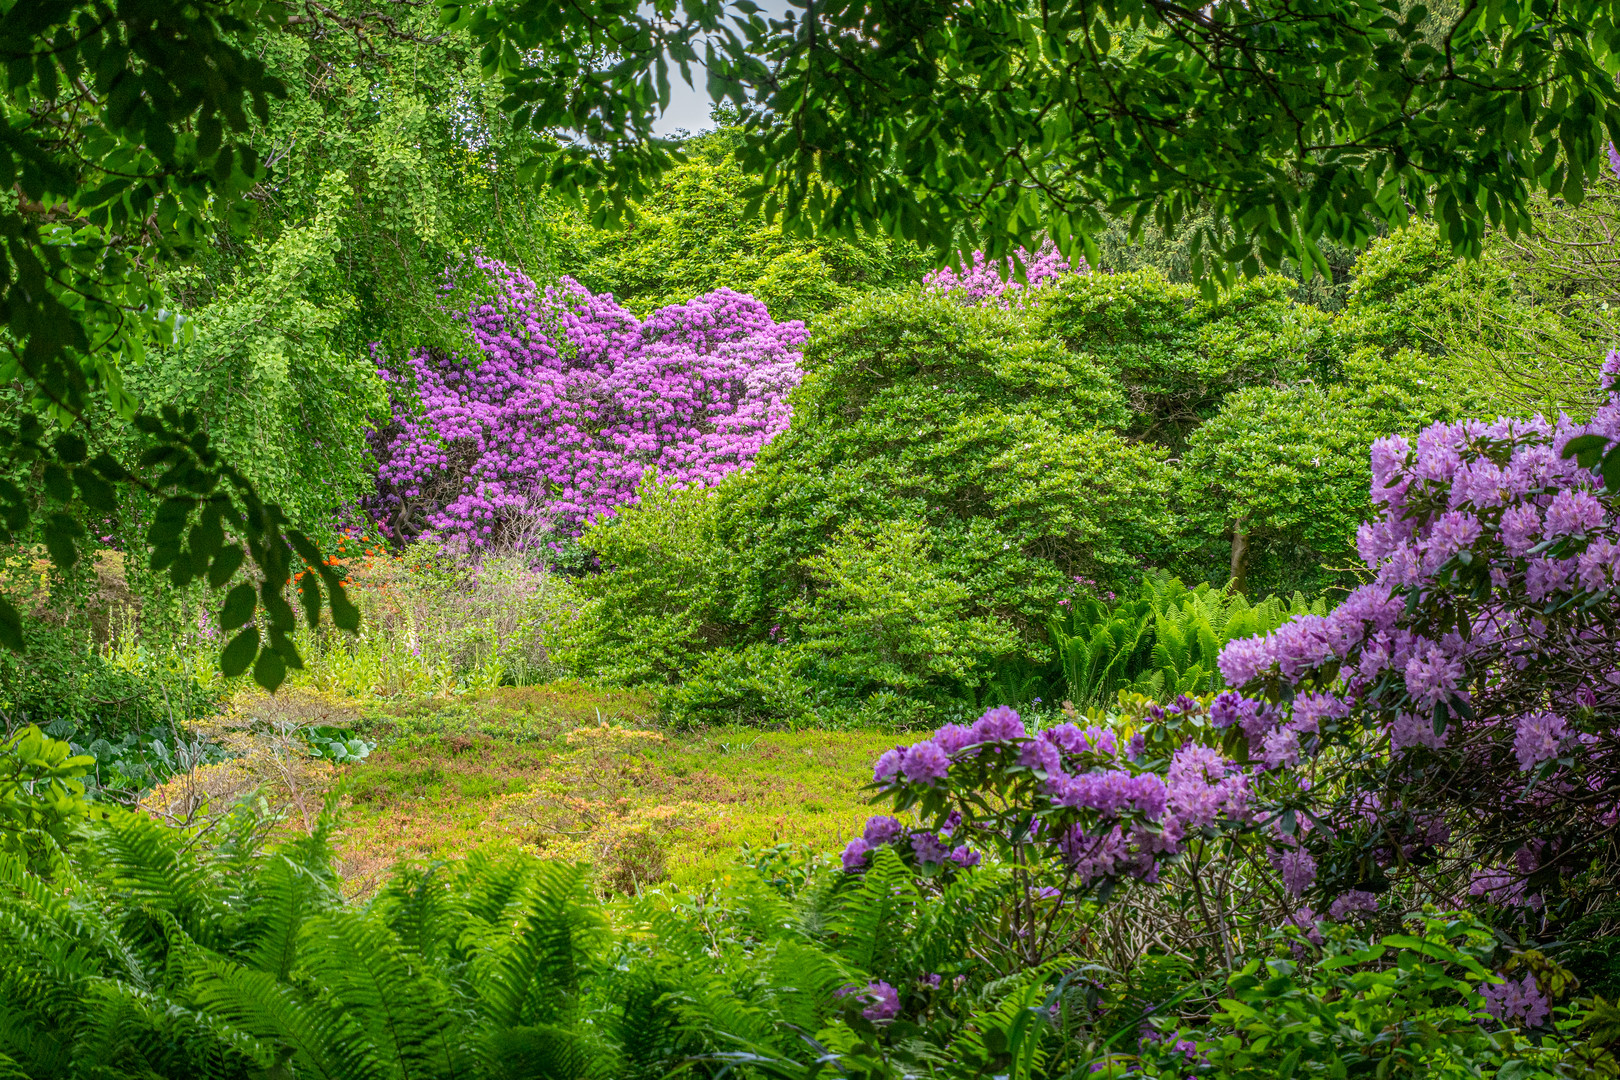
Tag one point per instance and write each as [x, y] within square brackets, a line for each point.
[933, 119]
[128, 149]
[1177, 357]
[64, 682]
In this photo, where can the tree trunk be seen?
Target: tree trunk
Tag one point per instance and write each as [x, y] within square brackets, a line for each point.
[1238, 580]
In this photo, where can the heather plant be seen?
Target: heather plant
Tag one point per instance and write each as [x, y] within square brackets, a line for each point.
[568, 402]
[1448, 731]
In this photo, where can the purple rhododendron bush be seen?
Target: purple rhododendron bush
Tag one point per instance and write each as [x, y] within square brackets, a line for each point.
[1402, 822]
[1449, 730]
[568, 402]
[1136, 879]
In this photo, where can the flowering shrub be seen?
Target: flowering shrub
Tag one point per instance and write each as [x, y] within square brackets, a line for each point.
[993, 282]
[1460, 707]
[1067, 807]
[570, 402]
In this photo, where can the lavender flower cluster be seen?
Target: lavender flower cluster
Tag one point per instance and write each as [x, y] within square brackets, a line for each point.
[987, 282]
[1487, 633]
[1517, 1002]
[1069, 791]
[570, 401]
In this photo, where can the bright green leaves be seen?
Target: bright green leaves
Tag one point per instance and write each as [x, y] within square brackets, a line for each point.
[1395, 1006]
[41, 794]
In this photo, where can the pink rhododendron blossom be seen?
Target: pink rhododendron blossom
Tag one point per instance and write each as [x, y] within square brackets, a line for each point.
[1536, 737]
[569, 400]
[1517, 1002]
[987, 282]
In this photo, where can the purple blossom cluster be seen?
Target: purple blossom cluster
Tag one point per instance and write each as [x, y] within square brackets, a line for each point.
[569, 401]
[987, 282]
[1515, 1003]
[1487, 633]
[1068, 789]
[926, 847]
[882, 1001]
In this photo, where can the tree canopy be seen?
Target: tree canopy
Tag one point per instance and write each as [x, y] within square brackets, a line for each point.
[1286, 122]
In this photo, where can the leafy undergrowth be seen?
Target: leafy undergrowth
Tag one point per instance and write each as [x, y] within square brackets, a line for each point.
[565, 771]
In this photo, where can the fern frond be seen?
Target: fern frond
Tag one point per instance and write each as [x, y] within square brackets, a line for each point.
[148, 867]
[405, 1011]
[528, 969]
[549, 1051]
[285, 894]
[865, 920]
[321, 1042]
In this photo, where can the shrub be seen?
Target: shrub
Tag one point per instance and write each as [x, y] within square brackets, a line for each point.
[1457, 712]
[656, 605]
[884, 619]
[1032, 443]
[919, 408]
[1175, 356]
[568, 401]
[41, 795]
[1282, 471]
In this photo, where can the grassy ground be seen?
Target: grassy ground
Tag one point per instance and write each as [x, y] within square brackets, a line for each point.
[572, 772]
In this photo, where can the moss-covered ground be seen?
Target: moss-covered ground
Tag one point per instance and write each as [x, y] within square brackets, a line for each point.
[574, 772]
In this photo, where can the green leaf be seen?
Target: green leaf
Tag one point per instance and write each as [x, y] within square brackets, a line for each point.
[70, 448]
[1585, 449]
[345, 616]
[58, 482]
[239, 653]
[96, 493]
[59, 532]
[224, 567]
[1611, 469]
[238, 606]
[270, 669]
